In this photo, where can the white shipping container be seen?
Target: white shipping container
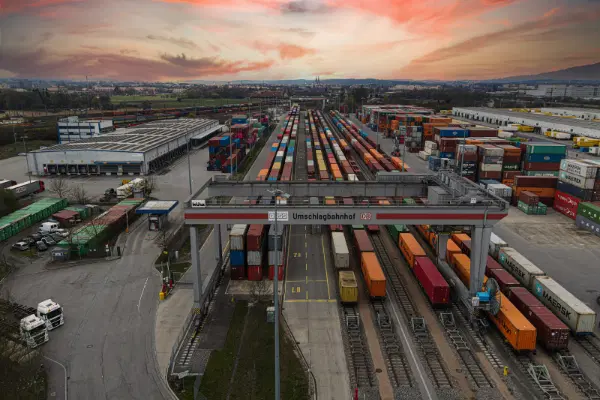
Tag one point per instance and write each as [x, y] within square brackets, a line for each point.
[572, 311]
[341, 256]
[352, 177]
[310, 163]
[289, 159]
[496, 243]
[254, 257]
[237, 236]
[520, 267]
[578, 168]
[493, 152]
[576, 180]
[505, 135]
[468, 148]
[490, 167]
[423, 155]
[430, 145]
[499, 189]
[278, 260]
[280, 153]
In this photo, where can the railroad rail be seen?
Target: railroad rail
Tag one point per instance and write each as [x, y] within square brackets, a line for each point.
[590, 346]
[570, 367]
[432, 357]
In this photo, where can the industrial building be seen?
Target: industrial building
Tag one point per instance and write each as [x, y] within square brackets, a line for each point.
[582, 113]
[71, 129]
[139, 150]
[562, 90]
[503, 117]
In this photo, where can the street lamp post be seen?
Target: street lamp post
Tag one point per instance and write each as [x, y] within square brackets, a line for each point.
[26, 158]
[189, 145]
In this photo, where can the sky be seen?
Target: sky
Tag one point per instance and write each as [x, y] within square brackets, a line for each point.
[183, 40]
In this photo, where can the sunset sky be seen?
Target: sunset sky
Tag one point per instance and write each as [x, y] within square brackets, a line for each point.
[179, 40]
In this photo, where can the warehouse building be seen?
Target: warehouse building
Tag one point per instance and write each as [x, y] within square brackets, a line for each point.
[502, 117]
[72, 129]
[139, 150]
[583, 113]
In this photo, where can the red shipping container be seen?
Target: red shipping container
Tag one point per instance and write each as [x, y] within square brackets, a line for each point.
[238, 273]
[373, 228]
[566, 204]
[551, 331]
[511, 159]
[496, 175]
[324, 175]
[433, 283]
[336, 228]
[491, 265]
[254, 237]
[531, 199]
[279, 275]
[541, 166]
[362, 241]
[482, 132]
[255, 273]
[504, 278]
[548, 201]
[348, 201]
[561, 208]
[510, 174]
[467, 157]
[536, 181]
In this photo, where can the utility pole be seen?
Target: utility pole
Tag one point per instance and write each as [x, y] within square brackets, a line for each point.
[276, 306]
[27, 158]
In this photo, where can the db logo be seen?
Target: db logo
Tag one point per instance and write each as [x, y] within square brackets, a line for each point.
[365, 216]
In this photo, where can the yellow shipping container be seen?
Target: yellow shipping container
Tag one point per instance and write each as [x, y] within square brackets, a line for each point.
[348, 287]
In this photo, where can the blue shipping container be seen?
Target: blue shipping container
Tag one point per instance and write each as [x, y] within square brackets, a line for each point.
[583, 194]
[454, 132]
[447, 155]
[487, 182]
[550, 158]
[237, 257]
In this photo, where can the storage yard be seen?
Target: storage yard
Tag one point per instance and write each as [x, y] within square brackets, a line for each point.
[139, 150]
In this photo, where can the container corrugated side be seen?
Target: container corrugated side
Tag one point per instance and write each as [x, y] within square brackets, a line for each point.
[580, 318]
[236, 237]
[348, 287]
[513, 325]
[496, 243]
[519, 266]
[341, 254]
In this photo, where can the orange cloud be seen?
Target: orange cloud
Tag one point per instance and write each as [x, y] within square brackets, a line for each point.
[287, 51]
[122, 66]
[15, 6]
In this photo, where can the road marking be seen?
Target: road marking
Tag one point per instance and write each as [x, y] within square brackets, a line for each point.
[307, 266]
[64, 369]
[287, 262]
[325, 266]
[144, 288]
[306, 280]
[306, 295]
[306, 254]
[305, 244]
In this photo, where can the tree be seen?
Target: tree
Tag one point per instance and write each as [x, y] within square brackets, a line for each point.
[261, 291]
[79, 195]
[146, 105]
[150, 185]
[8, 202]
[59, 186]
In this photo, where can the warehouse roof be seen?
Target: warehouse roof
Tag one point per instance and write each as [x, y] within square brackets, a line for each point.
[138, 139]
[541, 118]
[157, 207]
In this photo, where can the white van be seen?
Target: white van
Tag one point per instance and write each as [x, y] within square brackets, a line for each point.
[49, 227]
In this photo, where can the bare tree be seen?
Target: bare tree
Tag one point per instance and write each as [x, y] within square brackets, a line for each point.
[149, 185]
[59, 186]
[79, 195]
[260, 291]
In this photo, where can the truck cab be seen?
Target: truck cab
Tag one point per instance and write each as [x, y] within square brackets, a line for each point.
[51, 314]
[33, 331]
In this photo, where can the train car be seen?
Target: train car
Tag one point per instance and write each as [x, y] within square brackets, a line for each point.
[395, 231]
[451, 250]
[348, 287]
[520, 267]
[462, 266]
[504, 278]
[552, 333]
[341, 255]
[373, 228]
[431, 280]
[374, 277]
[24, 189]
[362, 242]
[516, 329]
[463, 241]
[410, 248]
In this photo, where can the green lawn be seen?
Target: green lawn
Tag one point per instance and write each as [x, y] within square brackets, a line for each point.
[254, 377]
[11, 150]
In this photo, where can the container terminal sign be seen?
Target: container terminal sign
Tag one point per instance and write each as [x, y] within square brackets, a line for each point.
[315, 216]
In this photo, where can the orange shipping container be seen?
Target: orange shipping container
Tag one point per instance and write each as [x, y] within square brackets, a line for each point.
[514, 326]
[458, 238]
[263, 174]
[462, 266]
[508, 182]
[542, 192]
[410, 248]
[373, 274]
[451, 250]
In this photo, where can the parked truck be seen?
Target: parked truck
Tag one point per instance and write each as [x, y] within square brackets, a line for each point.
[30, 329]
[131, 188]
[6, 183]
[51, 313]
[24, 189]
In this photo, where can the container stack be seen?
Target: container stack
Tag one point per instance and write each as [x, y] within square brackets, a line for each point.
[511, 163]
[430, 150]
[501, 190]
[223, 152]
[414, 139]
[543, 186]
[277, 240]
[12, 224]
[237, 256]
[588, 217]
[467, 156]
[255, 251]
[530, 204]
[490, 162]
[577, 181]
[542, 159]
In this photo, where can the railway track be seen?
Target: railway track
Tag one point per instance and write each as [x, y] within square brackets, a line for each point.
[430, 354]
[590, 346]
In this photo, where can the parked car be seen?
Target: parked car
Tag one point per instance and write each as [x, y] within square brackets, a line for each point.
[22, 246]
[48, 241]
[36, 237]
[56, 237]
[29, 240]
[63, 233]
[41, 246]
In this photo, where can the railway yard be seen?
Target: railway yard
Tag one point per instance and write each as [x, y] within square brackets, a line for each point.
[374, 312]
[378, 311]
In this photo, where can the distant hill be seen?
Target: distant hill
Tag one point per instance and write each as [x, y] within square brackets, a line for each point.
[590, 72]
[368, 81]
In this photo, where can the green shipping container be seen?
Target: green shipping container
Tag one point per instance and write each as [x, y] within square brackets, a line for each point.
[408, 200]
[30, 215]
[543, 148]
[396, 230]
[589, 211]
[357, 228]
[540, 209]
[511, 167]
[541, 173]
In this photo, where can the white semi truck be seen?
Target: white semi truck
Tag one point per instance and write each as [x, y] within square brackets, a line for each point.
[51, 313]
[31, 329]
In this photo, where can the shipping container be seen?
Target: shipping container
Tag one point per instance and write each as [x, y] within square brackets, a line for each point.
[579, 168]
[451, 249]
[462, 267]
[237, 272]
[236, 237]
[255, 272]
[580, 318]
[519, 266]
[281, 270]
[341, 255]
[433, 283]
[348, 287]
[576, 180]
[410, 248]
[396, 230]
[589, 211]
[536, 181]
[503, 277]
[237, 257]
[591, 226]
[496, 243]
[254, 258]
[463, 241]
[552, 333]
[374, 277]
[276, 236]
[362, 241]
[515, 328]
[254, 237]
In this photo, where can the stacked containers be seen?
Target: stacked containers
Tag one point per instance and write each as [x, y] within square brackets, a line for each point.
[542, 159]
[255, 251]
[543, 186]
[588, 217]
[511, 163]
[467, 157]
[578, 181]
[237, 257]
[529, 203]
[12, 224]
[277, 239]
[490, 162]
